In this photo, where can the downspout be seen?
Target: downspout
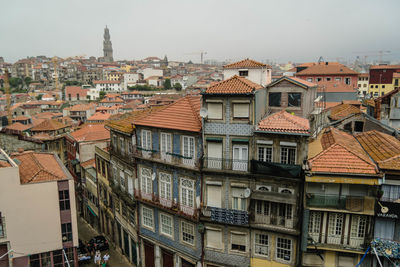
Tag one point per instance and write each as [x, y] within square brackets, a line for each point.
[201, 189]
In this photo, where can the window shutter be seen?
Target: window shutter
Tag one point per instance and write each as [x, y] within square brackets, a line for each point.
[238, 239]
[214, 196]
[241, 110]
[130, 185]
[214, 150]
[214, 238]
[214, 111]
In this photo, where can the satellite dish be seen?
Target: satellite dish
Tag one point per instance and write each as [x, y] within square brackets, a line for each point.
[384, 210]
[247, 193]
[203, 113]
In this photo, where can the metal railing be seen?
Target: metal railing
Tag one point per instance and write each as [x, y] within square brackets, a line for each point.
[227, 164]
[236, 217]
[167, 157]
[326, 201]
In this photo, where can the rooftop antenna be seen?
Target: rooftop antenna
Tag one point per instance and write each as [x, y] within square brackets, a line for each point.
[321, 59]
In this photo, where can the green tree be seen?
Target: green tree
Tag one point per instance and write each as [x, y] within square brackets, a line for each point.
[15, 82]
[177, 86]
[102, 94]
[167, 84]
[39, 97]
[28, 81]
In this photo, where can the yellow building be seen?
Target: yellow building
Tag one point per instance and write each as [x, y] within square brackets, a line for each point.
[383, 79]
[114, 76]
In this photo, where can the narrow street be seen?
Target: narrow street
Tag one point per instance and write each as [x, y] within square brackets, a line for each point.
[86, 232]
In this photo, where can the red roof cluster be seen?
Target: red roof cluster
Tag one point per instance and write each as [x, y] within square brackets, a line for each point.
[233, 85]
[91, 132]
[283, 122]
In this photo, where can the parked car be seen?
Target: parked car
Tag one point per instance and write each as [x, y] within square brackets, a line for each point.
[99, 243]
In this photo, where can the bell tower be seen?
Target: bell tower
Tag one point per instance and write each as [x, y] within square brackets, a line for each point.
[107, 46]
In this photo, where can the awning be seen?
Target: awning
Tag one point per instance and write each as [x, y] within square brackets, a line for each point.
[91, 211]
[214, 139]
[240, 140]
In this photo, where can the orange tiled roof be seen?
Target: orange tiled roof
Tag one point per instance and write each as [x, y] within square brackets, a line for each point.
[82, 107]
[342, 111]
[233, 85]
[382, 148]
[21, 118]
[91, 132]
[99, 116]
[39, 167]
[382, 67]
[184, 114]
[341, 153]
[75, 90]
[125, 122]
[283, 122]
[335, 86]
[17, 126]
[246, 64]
[326, 69]
[294, 80]
[329, 105]
[105, 81]
[48, 125]
[88, 163]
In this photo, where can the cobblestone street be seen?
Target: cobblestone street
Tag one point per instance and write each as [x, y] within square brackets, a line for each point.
[86, 232]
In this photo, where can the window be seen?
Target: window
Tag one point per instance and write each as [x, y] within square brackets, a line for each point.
[347, 80]
[130, 183]
[376, 86]
[122, 179]
[188, 147]
[238, 241]
[288, 155]
[66, 232]
[338, 79]
[243, 73]
[265, 153]
[187, 192]
[166, 224]
[285, 211]
[319, 79]
[328, 79]
[314, 225]
[241, 110]
[391, 192]
[147, 217]
[214, 196]
[146, 140]
[309, 79]
[294, 99]
[358, 126]
[214, 238]
[372, 86]
[284, 249]
[165, 185]
[122, 145]
[358, 226]
[335, 225]
[263, 207]
[64, 199]
[275, 99]
[187, 232]
[146, 182]
[396, 82]
[383, 86]
[261, 244]
[166, 143]
[238, 199]
[214, 111]
[114, 142]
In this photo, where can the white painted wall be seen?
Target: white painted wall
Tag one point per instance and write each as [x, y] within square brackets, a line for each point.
[130, 79]
[148, 72]
[261, 76]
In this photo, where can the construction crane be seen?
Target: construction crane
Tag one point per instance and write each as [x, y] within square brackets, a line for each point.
[201, 53]
[55, 74]
[8, 97]
[379, 53]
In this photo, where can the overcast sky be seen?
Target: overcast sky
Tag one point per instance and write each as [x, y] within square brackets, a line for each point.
[279, 30]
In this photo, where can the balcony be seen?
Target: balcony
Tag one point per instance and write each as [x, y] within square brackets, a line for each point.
[362, 204]
[167, 157]
[386, 248]
[276, 169]
[227, 216]
[227, 164]
[274, 220]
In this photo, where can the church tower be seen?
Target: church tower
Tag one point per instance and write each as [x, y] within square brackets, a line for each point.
[107, 47]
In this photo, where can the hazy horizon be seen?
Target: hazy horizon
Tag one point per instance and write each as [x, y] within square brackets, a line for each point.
[294, 31]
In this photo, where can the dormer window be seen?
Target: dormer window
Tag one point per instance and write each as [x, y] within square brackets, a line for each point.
[243, 73]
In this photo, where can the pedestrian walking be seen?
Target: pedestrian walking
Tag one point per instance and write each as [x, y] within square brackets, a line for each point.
[103, 263]
[106, 257]
[97, 258]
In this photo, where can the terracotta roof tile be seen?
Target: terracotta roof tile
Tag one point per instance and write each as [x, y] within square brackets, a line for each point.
[342, 111]
[48, 125]
[246, 64]
[125, 122]
[293, 80]
[74, 91]
[39, 167]
[233, 85]
[184, 114]
[17, 126]
[335, 86]
[325, 69]
[283, 122]
[82, 107]
[341, 154]
[88, 163]
[91, 132]
[105, 81]
[382, 67]
[99, 116]
[382, 148]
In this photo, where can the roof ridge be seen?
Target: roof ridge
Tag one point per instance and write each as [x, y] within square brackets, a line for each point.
[192, 107]
[288, 116]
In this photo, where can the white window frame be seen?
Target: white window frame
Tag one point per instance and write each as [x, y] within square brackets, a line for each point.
[146, 182]
[358, 226]
[151, 212]
[130, 183]
[264, 157]
[171, 219]
[336, 221]
[244, 234]
[122, 179]
[146, 139]
[260, 245]
[122, 144]
[238, 202]
[165, 142]
[187, 226]
[188, 150]
[165, 184]
[314, 226]
[290, 249]
[286, 160]
[185, 193]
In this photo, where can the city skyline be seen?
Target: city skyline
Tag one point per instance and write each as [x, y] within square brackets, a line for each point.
[288, 31]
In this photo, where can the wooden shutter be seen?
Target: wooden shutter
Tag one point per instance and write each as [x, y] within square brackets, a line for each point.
[214, 196]
[214, 238]
[241, 110]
